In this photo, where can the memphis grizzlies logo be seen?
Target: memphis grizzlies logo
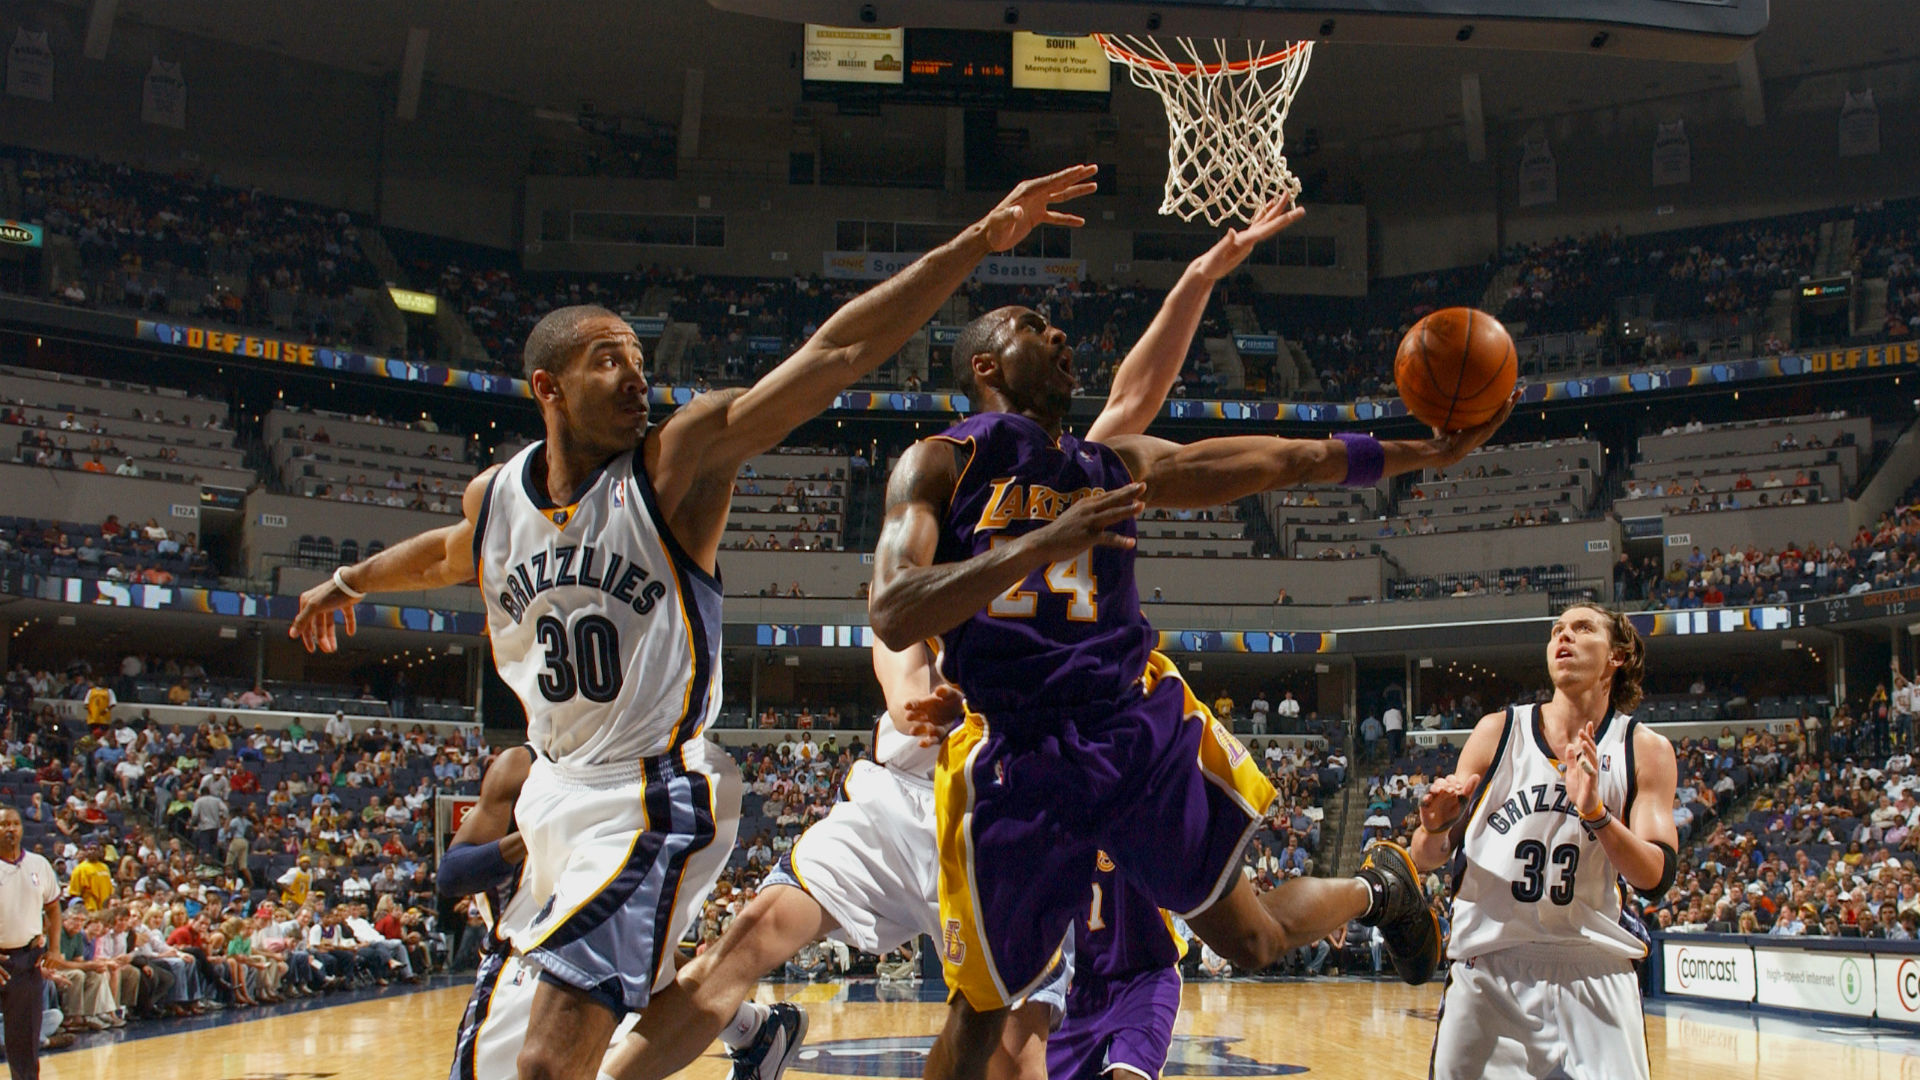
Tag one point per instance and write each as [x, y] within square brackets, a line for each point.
[906, 1057]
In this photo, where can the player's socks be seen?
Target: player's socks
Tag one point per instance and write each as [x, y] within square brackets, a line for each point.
[745, 1026]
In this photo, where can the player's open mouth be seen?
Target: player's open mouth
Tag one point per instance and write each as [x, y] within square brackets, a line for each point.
[1563, 654]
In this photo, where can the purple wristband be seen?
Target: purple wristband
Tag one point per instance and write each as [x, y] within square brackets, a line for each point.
[1366, 461]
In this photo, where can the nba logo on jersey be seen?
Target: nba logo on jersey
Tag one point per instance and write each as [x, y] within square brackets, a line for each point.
[1606, 762]
[952, 949]
[620, 495]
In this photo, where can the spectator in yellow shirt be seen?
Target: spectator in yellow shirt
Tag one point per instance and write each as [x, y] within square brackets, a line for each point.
[92, 882]
[100, 703]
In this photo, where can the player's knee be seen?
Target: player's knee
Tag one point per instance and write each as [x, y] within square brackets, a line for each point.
[1255, 948]
[540, 1062]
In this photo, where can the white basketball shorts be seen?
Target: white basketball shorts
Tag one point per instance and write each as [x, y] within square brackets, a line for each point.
[872, 863]
[620, 859]
[1527, 1012]
[495, 1024]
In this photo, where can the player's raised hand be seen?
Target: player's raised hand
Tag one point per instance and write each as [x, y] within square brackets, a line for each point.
[929, 718]
[1030, 205]
[1444, 799]
[1232, 249]
[1455, 445]
[1580, 764]
[313, 624]
[1086, 524]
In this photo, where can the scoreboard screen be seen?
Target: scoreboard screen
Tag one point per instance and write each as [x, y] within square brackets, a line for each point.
[959, 59]
[974, 68]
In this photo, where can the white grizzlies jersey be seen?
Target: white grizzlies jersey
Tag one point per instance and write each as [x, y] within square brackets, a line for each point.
[1906, 699]
[902, 754]
[1527, 873]
[601, 623]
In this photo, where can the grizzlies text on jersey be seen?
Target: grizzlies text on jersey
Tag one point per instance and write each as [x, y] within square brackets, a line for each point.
[1527, 873]
[601, 623]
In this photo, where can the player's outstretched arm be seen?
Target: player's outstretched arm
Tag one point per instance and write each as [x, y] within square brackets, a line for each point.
[873, 326]
[1444, 806]
[913, 599]
[1216, 471]
[484, 850]
[1141, 383]
[430, 560]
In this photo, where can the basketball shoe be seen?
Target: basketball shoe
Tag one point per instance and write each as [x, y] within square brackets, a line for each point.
[1400, 910]
[768, 1055]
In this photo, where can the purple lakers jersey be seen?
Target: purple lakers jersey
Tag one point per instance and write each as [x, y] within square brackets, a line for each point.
[1071, 635]
[1125, 932]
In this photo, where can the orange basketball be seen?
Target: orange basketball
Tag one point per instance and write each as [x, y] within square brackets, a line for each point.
[1456, 368]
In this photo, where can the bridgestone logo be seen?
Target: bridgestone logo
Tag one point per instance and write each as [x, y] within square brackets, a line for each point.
[1719, 971]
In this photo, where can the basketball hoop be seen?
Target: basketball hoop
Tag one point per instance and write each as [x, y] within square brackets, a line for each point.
[1225, 120]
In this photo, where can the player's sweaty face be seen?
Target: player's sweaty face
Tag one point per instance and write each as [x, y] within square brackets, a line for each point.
[1036, 365]
[607, 383]
[1580, 644]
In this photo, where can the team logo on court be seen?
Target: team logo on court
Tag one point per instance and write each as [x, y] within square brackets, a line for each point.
[952, 947]
[905, 1057]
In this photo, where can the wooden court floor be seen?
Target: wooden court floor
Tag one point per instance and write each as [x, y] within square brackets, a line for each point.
[1343, 1030]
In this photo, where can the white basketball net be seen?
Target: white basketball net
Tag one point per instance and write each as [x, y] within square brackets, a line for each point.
[1226, 114]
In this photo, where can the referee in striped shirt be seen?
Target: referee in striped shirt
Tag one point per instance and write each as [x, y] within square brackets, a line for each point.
[29, 930]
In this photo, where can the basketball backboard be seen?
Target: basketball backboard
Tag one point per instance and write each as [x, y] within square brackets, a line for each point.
[1709, 31]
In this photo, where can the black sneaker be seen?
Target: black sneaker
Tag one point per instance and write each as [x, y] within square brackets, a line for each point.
[769, 1054]
[1407, 924]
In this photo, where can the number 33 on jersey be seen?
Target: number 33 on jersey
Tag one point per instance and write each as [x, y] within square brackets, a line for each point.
[603, 627]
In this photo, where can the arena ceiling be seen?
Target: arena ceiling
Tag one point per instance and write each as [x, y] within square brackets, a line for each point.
[627, 59]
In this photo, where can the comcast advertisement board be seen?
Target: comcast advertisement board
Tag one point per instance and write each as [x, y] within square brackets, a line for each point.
[1724, 972]
[1830, 982]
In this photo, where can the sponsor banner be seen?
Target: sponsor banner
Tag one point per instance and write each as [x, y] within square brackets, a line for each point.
[860, 54]
[825, 637]
[163, 99]
[1257, 344]
[1859, 125]
[1539, 176]
[1244, 641]
[941, 336]
[30, 65]
[767, 344]
[879, 265]
[1262, 412]
[648, 327]
[21, 234]
[1833, 982]
[1060, 62]
[413, 303]
[102, 593]
[1672, 155]
[1713, 621]
[1897, 988]
[1725, 972]
[267, 348]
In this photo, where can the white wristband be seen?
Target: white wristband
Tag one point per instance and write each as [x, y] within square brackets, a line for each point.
[341, 584]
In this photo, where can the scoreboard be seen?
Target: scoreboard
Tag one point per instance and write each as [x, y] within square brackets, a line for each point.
[981, 68]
